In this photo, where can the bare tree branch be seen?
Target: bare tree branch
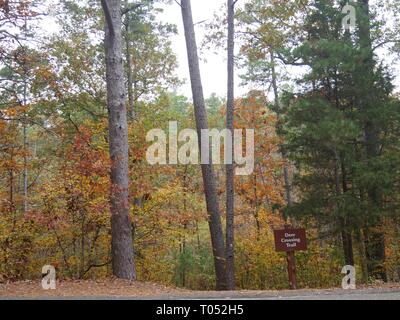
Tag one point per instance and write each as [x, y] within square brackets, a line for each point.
[200, 22]
[131, 8]
[108, 17]
[95, 266]
[385, 42]
[285, 61]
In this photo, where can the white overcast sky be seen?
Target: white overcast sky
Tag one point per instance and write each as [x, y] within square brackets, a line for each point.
[214, 69]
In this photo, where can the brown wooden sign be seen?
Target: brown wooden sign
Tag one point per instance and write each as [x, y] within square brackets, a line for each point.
[288, 240]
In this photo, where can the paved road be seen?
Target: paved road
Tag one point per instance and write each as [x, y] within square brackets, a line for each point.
[345, 296]
[371, 294]
[367, 294]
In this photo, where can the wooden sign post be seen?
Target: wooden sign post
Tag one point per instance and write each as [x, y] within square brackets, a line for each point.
[291, 240]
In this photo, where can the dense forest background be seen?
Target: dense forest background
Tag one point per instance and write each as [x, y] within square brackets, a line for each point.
[324, 103]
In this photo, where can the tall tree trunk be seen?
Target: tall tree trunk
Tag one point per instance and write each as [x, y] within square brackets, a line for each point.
[375, 245]
[230, 168]
[209, 179]
[11, 193]
[288, 191]
[131, 101]
[347, 242]
[25, 173]
[24, 129]
[363, 255]
[121, 227]
[347, 238]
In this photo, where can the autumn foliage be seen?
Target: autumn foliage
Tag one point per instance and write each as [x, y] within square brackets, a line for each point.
[55, 165]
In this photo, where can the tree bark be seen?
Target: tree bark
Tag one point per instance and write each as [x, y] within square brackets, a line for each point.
[121, 227]
[131, 101]
[24, 128]
[209, 179]
[288, 189]
[347, 242]
[230, 168]
[363, 255]
[347, 238]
